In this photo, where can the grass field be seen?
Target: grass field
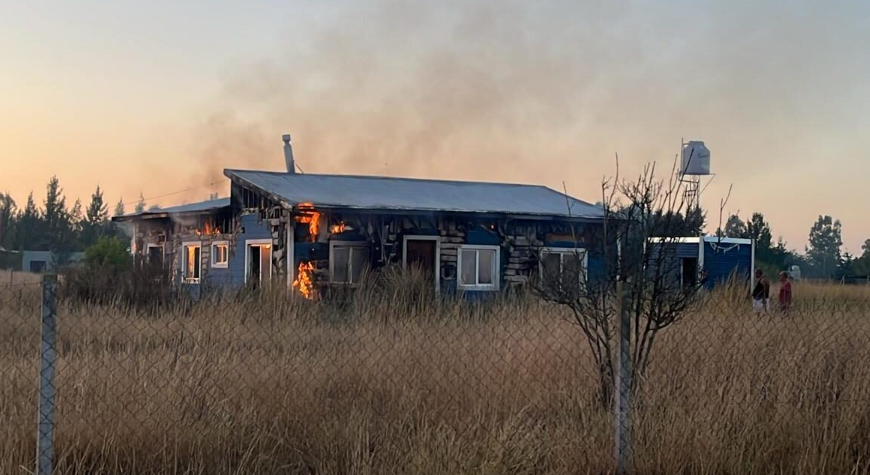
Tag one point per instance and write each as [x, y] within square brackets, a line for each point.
[387, 384]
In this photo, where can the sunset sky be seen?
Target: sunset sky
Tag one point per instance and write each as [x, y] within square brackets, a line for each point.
[157, 97]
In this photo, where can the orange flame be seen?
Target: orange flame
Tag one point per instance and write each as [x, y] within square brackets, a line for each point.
[337, 228]
[312, 219]
[209, 230]
[304, 279]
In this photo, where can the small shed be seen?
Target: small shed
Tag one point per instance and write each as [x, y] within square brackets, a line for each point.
[711, 260]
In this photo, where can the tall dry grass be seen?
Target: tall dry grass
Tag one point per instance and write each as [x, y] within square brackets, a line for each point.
[391, 381]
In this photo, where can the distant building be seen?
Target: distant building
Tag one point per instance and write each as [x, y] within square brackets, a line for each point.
[45, 261]
[717, 259]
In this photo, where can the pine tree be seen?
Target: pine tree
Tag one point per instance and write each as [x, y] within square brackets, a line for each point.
[29, 225]
[75, 225]
[140, 206]
[96, 219]
[55, 218]
[8, 221]
[119, 208]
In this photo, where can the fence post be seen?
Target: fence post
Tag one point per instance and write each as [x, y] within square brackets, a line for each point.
[622, 404]
[47, 386]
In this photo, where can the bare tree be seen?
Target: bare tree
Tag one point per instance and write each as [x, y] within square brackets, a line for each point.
[644, 220]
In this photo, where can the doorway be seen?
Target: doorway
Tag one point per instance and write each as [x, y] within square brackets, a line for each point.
[424, 252]
[689, 272]
[258, 262]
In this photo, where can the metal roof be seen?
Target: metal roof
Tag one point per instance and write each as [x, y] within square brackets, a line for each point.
[198, 207]
[387, 193]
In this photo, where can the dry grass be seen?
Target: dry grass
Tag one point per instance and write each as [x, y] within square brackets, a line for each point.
[385, 383]
[14, 277]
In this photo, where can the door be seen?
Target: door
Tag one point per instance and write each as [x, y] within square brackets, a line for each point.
[422, 252]
[255, 273]
[690, 272]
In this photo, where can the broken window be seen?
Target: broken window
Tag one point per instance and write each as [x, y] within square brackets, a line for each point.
[155, 255]
[347, 262]
[562, 269]
[479, 267]
[191, 262]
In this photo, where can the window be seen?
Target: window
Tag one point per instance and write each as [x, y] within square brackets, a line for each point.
[347, 261]
[479, 267]
[561, 266]
[155, 254]
[191, 262]
[219, 254]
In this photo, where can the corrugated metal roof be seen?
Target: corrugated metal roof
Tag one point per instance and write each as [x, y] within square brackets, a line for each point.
[199, 207]
[387, 193]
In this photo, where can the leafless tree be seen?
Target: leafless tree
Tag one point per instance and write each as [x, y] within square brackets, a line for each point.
[644, 219]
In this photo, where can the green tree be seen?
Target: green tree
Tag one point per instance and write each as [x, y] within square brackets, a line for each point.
[140, 206]
[759, 230]
[735, 227]
[108, 254]
[861, 265]
[29, 227]
[119, 208]
[56, 233]
[96, 220]
[8, 221]
[846, 267]
[826, 239]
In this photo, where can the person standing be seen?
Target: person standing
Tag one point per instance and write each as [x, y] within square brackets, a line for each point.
[761, 292]
[784, 292]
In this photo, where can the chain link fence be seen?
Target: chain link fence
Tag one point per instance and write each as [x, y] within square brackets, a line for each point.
[384, 381]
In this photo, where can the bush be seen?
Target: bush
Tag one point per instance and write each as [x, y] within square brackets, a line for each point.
[108, 254]
[110, 274]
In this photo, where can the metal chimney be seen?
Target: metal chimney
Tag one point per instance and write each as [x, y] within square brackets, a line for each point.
[288, 154]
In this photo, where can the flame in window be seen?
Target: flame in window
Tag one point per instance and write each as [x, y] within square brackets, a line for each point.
[305, 279]
[311, 217]
[338, 228]
[208, 230]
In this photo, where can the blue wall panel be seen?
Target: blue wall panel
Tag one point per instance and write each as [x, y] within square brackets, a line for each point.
[251, 228]
[482, 237]
[721, 260]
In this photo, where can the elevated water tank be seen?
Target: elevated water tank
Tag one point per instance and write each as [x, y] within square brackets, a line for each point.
[695, 159]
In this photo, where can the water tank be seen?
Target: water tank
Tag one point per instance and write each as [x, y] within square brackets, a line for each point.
[695, 159]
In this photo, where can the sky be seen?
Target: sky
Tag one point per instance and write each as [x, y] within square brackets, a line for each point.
[159, 97]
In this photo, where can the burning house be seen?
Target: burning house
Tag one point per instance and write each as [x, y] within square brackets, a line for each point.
[312, 232]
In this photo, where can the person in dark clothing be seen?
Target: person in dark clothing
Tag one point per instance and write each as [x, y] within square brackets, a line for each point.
[761, 292]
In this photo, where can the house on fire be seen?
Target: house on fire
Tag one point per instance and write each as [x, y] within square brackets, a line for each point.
[314, 232]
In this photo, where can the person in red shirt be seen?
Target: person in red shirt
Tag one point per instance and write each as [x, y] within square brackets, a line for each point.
[784, 292]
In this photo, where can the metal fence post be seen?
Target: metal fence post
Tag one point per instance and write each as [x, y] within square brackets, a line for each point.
[47, 386]
[622, 375]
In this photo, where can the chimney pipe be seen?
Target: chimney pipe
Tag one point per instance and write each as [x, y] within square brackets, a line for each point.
[288, 154]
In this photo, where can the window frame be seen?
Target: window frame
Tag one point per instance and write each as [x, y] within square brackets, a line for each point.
[583, 277]
[364, 245]
[162, 248]
[496, 268]
[184, 269]
[249, 243]
[212, 254]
